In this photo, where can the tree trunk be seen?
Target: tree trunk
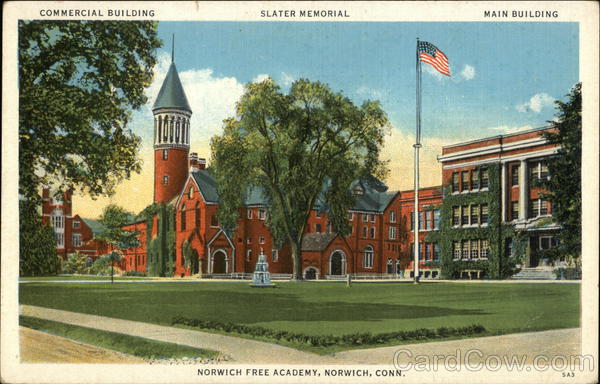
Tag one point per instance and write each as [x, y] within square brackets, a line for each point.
[297, 261]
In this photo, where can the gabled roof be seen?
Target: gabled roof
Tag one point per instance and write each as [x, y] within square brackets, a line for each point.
[94, 225]
[317, 241]
[374, 198]
[171, 94]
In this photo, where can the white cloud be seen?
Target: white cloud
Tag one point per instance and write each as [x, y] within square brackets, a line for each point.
[370, 93]
[287, 79]
[468, 72]
[211, 98]
[537, 102]
[260, 78]
[433, 72]
[506, 129]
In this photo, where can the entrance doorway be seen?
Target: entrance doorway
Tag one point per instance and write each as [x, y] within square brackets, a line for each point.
[310, 273]
[219, 262]
[337, 263]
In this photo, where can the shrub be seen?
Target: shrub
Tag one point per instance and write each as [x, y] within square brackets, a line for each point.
[75, 263]
[134, 273]
[354, 339]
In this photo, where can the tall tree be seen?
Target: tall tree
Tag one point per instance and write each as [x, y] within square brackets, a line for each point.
[303, 150]
[114, 218]
[78, 84]
[564, 184]
[37, 244]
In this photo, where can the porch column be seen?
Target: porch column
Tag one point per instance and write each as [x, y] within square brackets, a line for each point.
[503, 191]
[523, 190]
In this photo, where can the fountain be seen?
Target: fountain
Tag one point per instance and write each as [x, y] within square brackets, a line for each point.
[262, 277]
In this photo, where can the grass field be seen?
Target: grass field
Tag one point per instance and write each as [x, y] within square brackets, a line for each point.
[324, 308]
[80, 277]
[136, 346]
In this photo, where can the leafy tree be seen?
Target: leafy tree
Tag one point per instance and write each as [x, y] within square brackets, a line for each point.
[564, 185]
[114, 218]
[303, 150]
[37, 245]
[78, 83]
[75, 263]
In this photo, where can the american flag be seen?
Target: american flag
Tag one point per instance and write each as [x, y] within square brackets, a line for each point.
[431, 55]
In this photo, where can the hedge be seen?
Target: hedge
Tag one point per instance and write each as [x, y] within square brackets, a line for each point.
[354, 339]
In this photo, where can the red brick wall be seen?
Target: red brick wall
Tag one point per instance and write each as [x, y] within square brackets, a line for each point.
[175, 167]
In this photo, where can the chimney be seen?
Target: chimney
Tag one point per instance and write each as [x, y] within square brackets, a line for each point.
[202, 163]
[196, 163]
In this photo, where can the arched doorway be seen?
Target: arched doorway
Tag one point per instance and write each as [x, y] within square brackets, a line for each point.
[337, 263]
[195, 265]
[219, 262]
[310, 273]
[390, 267]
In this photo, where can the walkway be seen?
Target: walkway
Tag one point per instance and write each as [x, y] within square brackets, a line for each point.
[563, 342]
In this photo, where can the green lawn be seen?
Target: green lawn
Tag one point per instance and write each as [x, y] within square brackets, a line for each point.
[80, 277]
[137, 346]
[324, 308]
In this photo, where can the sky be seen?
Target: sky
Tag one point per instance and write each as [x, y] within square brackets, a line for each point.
[505, 78]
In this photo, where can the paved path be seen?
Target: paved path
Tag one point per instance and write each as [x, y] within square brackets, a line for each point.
[238, 349]
[42, 347]
[564, 342]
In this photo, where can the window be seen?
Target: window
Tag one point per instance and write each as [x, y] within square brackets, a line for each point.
[165, 180]
[436, 219]
[392, 216]
[455, 216]
[372, 218]
[165, 154]
[465, 249]
[214, 221]
[77, 239]
[372, 232]
[60, 239]
[465, 215]
[358, 191]
[318, 228]
[428, 220]
[514, 210]
[261, 240]
[248, 254]
[455, 182]
[318, 214]
[364, 232]
[534, 208]
[475, 179]
[475, 214]
[262, 214]
[275, 255]
[514, 175]
[368, 258]
[365, 217]
[183, 218]
[421, 220]
[392, 232]
[474, 249]
[329, 227]
[543, 207]
[191, 193]
[436, 251]
[58, 222]
[248, 240]
[547, 242]
[484, 214]
[456, 250]
[412, 221]
[509, 247]
[465, 180]
[485, 182]
[76, 224]
[485, 248]
[538, 172]
[249, 214]
[350, 216]
[427, 251]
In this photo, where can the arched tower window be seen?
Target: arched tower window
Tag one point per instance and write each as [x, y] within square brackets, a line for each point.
[160, 129]
[368, 257]
[177, 129]
[171, 127]
[183, 223]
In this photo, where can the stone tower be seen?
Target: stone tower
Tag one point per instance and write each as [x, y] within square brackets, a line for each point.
[172, 115]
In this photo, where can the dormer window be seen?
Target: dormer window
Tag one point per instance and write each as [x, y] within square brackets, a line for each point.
[358, 191]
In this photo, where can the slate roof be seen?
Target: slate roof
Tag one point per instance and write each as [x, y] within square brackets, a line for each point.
[317, 241]
[171, 94]
[375, 197]
[94, 225]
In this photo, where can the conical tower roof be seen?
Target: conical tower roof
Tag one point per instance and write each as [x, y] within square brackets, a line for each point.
[171, 94]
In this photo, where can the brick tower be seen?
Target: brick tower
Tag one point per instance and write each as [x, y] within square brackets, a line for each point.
[172, 115]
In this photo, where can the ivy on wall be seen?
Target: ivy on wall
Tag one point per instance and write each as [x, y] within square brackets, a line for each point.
[160, 250]
[498, 264]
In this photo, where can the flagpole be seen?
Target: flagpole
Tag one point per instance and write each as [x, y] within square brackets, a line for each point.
[417, 145]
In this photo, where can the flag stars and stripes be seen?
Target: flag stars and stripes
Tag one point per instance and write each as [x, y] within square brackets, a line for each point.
[432, 55]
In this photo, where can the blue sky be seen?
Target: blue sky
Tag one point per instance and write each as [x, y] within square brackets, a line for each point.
[506, 77]
[512, 63]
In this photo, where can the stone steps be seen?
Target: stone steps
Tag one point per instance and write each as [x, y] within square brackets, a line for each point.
[535, 274]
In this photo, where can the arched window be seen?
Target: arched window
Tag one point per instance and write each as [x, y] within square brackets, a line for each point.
[368, 257]
[392, 216]
[191, 193]
[183, 218]
[177, 129]
[160, 137]
[197, 215]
